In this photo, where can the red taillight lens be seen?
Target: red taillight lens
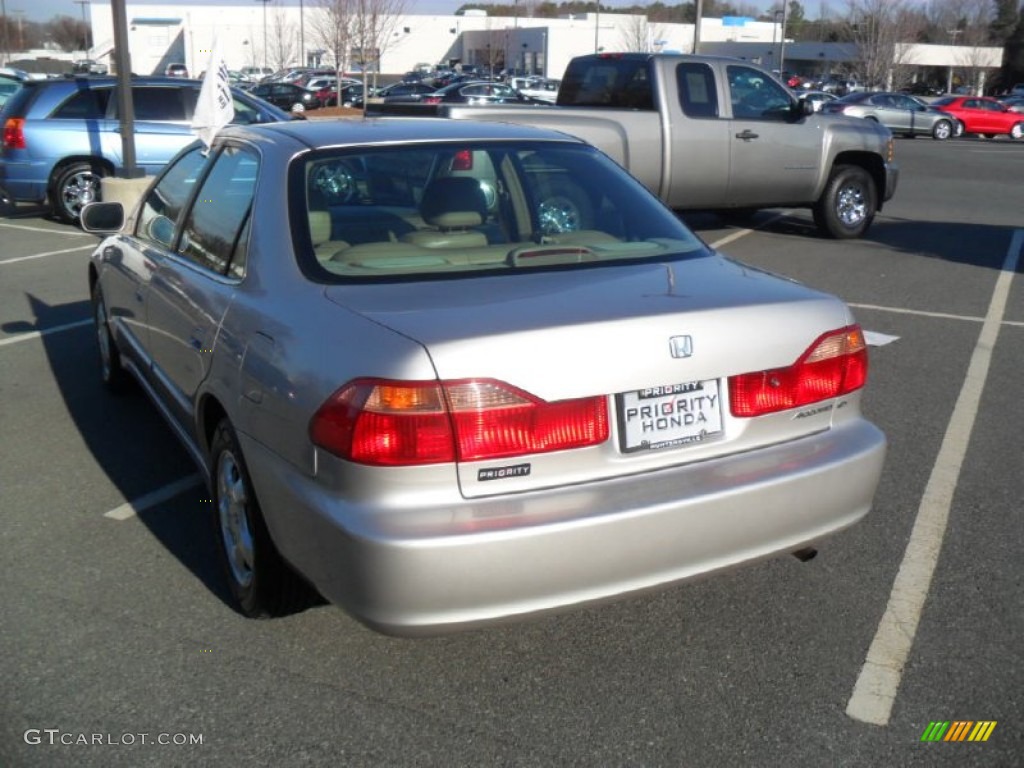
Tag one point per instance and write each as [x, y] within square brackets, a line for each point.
[463, 160]
[395, 423]
[835, 364]
[431, 100]
[14, 133]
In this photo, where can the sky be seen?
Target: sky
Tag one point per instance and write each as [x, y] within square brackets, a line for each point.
[44, 10]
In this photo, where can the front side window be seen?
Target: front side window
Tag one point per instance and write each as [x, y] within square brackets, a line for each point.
[162, 207]
[756, 96]
[448, 209]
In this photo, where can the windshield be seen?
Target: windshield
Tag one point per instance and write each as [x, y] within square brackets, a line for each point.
[447, 210]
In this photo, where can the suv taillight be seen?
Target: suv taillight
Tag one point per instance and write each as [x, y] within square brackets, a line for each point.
[14, 133]
[835, 364]
[395, 423]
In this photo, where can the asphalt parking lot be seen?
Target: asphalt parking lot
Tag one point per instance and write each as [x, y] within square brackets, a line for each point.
[119, 648]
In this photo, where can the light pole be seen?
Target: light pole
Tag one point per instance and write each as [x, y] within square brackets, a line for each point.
[597, 26]
[782, 40]
[85, 26]
[264, 30]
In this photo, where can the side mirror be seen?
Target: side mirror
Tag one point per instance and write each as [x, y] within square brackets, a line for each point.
[102, 218]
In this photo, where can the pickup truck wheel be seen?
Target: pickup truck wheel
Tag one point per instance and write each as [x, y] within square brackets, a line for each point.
[942, 130]
[847, 206]
[261, 582]
[75, 185]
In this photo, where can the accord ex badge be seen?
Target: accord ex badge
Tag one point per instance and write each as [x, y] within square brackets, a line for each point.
[681, 346]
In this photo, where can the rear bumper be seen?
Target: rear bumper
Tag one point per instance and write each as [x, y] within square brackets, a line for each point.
[443, 568]
[25, 182]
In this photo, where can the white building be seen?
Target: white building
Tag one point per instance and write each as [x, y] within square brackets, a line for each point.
[263, 35]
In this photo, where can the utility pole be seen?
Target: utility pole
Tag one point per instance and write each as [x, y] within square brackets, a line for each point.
[264, 30]
[85, 26]
[696, 26]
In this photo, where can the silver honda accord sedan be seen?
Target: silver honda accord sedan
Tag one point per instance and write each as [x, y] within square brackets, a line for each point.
[448, 373]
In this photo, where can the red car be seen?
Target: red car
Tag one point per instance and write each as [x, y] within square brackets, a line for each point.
[983, 116]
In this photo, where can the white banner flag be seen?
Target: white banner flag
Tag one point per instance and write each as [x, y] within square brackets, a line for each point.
[215, 107]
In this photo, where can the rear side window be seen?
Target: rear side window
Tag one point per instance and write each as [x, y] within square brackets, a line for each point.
[608, 81]
[86, 104]
[697, 94]
[161, 104]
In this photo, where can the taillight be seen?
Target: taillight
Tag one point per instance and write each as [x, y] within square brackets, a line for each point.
[395, 423]
[463, 160]
[431, 100]
[835, 364]
[14, 133]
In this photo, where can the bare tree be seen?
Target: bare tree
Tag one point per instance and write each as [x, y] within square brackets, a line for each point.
[331, 24]
[971, 20]
[68, 33]
[881, 30]
[638, 34]
[283, 46]
[375, 30]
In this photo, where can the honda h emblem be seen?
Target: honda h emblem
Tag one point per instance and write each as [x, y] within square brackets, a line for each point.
[681, 346]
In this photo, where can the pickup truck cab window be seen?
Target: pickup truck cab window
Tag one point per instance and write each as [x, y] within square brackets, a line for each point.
[697, 94]
[756, 96]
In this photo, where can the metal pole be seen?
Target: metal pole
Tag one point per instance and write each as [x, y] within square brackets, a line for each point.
[7, 45]
[597, 26]
[85, 26]
[782, 42]
[302, 35]
[696, 26]
[264, 31]
[125, 105]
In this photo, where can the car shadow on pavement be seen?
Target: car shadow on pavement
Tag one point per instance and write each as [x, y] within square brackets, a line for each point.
[128, 440]
[958, 242]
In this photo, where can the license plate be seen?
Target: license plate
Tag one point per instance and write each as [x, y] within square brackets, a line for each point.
[668, 416]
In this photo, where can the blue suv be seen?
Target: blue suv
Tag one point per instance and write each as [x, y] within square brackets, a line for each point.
[60, 137]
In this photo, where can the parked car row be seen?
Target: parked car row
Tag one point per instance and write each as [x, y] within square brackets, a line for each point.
[941, 119]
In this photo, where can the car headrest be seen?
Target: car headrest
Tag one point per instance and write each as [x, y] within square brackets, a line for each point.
[451, 202]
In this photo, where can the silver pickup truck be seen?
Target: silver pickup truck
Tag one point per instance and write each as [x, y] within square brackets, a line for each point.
[714, 133]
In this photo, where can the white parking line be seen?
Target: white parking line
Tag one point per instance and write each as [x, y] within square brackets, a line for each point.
[875, 690]
[744, 232]
[66, 231]
[39, 334]
[130, 509]
[48, 253]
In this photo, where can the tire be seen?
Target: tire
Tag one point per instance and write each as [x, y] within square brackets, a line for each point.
[565, 208]
[114, 377]
[261, 582]
[848, 204]
[1017, 131]
[958, 129]
[74, 186]
[942, 130]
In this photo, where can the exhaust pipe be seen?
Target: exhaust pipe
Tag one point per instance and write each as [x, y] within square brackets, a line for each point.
[805, 554]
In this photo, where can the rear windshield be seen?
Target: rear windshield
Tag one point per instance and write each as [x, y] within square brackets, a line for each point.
[607, 81]
[446, 210]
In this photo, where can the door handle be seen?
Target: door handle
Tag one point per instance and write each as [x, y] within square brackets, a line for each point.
[746, 135]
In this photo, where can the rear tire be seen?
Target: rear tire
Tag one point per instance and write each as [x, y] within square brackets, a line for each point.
[1017, 131]
[261, 582]
[75, 185]
[848, 204]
